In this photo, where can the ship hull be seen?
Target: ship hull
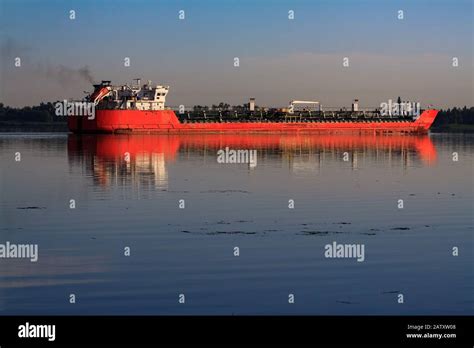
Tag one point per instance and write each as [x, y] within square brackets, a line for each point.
[165, 121]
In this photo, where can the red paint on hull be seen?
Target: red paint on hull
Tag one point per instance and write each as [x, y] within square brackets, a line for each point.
[165, 121]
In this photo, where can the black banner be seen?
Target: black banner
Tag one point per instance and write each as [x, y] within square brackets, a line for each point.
[137, 331]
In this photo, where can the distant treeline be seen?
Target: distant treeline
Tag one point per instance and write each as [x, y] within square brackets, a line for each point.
[40, 113]
[454, 116]
[45, 112]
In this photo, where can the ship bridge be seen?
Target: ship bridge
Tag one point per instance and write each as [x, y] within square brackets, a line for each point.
[130, 97]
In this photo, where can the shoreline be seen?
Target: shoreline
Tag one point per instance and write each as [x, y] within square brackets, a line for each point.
[33, 127]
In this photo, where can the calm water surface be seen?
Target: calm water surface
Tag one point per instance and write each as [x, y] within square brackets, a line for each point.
[127, 191]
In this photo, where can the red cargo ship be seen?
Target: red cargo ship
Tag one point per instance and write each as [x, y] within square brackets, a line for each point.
[141, 109]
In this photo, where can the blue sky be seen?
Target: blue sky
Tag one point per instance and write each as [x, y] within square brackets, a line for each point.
[190, 54]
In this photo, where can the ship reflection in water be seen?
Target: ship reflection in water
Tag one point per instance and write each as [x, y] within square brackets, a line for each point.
[183, 212]
[140, 161]
[130, 161]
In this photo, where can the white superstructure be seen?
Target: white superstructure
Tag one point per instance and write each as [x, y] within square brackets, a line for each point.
[133, 97]
[303, 105]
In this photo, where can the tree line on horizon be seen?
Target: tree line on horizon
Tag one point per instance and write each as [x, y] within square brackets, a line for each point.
[455, 115]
